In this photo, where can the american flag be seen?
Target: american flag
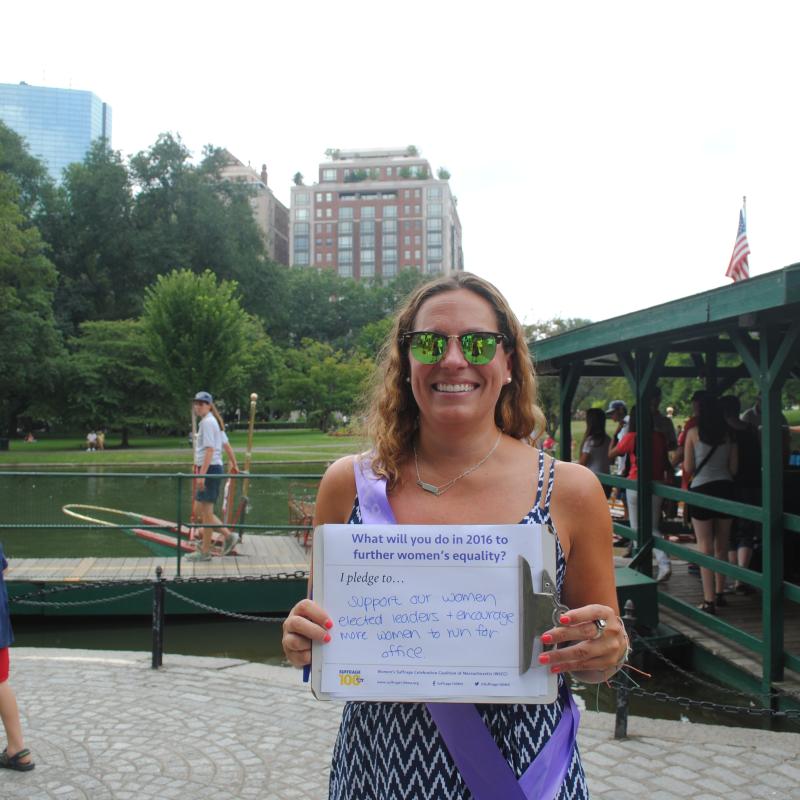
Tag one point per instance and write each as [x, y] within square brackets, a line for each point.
[739, 269]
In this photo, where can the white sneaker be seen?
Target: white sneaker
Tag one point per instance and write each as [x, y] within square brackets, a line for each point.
[230, 543]
[198, 555]
[664, 572]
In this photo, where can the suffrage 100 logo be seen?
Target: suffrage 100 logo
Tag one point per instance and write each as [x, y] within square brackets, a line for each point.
[350, 677]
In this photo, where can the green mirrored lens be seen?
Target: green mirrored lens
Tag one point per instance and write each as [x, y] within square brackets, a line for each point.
[428, 348]
[478, 348]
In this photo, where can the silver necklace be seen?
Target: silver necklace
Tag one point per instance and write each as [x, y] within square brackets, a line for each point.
[439, 490]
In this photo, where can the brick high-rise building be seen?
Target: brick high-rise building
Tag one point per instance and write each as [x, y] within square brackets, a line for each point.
[271, 216]
[373, 213]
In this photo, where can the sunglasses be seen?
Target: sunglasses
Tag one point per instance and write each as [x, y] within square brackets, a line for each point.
[429, 347]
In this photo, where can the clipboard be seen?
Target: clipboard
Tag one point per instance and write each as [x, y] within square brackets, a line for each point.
[435, 613]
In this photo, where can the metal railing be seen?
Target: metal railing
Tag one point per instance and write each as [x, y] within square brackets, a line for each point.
[31, 502]
[772, 596]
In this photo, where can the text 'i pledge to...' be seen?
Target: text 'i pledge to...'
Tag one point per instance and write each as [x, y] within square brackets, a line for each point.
[424, 601]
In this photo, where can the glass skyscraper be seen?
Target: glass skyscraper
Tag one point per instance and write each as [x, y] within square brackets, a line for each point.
[58, 125]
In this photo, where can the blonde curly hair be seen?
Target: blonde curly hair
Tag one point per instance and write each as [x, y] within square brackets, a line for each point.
[392, 412]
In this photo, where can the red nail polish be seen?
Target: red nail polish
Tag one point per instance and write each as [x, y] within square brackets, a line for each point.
[555, 669]
[564, 619]
[547, 638]
[544, 658]
[327, 638]
[328, 623]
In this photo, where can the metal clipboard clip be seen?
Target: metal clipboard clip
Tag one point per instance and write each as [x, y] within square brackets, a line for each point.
[540, 611]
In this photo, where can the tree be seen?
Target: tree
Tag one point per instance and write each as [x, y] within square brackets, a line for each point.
[93, 240]
[548, 385]
[372, 337]
[442, 174]
[412, 150]
[31, 176]
[196, 332]
[318, 380]
[31, 344]
[298, 179]
[190, 217]
[261, 363]
[112, 382]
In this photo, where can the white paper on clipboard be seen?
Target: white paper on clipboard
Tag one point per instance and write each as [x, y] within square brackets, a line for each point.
[434, 613]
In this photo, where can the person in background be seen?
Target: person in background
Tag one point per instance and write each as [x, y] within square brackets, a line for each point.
[594, 447]
[752, 417]
[678, 461]
[451, 420]
[744, 532]
[617, 412]
[101, 440]
[661, 472]
[91, 442]
[233, 467]
[711, 458]
[15, 755]
[208, 460]
[662, 423]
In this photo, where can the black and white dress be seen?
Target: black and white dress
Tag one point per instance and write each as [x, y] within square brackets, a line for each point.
[393, 751]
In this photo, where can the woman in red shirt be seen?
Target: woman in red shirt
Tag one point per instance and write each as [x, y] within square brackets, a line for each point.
[627, 446]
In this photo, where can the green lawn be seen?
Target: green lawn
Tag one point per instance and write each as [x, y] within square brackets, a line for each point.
[268, 447]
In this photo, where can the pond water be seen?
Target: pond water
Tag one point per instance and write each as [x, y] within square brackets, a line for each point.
[34, 524]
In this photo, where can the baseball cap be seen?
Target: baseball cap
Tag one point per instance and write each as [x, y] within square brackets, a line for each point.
[616, 405]
[204, 397]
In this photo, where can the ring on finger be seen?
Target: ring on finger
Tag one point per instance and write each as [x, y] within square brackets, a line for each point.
[600, 624]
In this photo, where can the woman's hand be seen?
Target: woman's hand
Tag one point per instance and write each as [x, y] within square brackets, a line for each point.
[306, 623]
[592, 651]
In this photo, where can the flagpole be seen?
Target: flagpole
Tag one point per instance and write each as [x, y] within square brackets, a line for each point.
[744, 206]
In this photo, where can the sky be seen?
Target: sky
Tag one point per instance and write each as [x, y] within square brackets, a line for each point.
[599, 151]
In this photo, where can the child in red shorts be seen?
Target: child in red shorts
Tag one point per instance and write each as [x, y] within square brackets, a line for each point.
[16, 755]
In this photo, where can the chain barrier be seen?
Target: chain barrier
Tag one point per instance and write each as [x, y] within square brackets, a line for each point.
[701, 681]
[146, 584]
[221, 611]
[707, 705]
[760, 696]
[28, 599]
[71, 603]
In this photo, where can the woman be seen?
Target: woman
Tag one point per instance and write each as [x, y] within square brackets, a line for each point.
[661, 470]
[745, 533]
[594, 447]
[711, 459]
[451, 412]
[208, 461]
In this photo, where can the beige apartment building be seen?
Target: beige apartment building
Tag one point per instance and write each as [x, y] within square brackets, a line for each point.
[373, 213]
[270, 214]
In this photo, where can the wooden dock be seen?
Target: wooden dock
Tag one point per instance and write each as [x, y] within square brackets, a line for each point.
[260, 578]
[257, 555]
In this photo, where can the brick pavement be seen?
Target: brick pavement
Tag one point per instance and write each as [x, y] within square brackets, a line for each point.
[104, 726]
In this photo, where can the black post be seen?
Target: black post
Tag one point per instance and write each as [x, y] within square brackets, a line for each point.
[621, 723]
[158, 618]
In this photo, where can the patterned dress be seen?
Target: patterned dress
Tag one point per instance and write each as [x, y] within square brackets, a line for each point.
[393, 751]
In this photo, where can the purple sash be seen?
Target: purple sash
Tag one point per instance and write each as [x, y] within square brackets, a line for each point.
[475, 753]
